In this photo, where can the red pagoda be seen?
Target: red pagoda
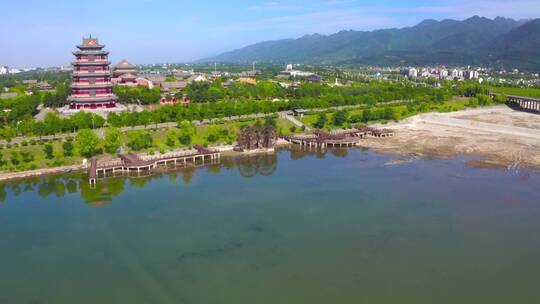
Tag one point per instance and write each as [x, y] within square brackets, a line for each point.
[91, 86]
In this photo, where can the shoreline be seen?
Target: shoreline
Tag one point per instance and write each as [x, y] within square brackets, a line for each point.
[497, 136]
[6, 177]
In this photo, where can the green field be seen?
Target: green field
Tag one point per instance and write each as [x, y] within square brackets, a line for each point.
[517, 91]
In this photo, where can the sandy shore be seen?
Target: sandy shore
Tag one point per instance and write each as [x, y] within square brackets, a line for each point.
[495, 136]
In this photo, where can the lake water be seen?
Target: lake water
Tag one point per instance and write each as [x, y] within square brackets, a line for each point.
[294, 227]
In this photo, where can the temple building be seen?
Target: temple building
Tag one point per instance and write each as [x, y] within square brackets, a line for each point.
[91, 86]
[125, 73]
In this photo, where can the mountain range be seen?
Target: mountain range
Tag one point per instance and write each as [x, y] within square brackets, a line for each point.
[476, 40]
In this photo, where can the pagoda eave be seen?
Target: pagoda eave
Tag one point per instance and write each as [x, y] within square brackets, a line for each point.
[90, 47]
[92, 74]
[90, 52]
[93, 99]
[83, 86]
[90, 63]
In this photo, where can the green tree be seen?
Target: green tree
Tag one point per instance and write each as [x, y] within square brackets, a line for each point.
[170, 139]
[340, 117]
[321, 121]
[68, 147]
[27, 157]
[187, 132]
[2, 161]
[53, 123]
[270, 121]
[49, 151]
[138, 140]
[88, 143]
[112, 140]
[14, 157]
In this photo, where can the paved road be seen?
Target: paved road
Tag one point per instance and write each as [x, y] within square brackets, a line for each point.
[297, 122]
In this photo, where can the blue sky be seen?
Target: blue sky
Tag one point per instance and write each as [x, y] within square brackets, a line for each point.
[43, 33]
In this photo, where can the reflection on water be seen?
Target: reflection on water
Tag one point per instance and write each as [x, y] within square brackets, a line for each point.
[106, 189]
[334, 227]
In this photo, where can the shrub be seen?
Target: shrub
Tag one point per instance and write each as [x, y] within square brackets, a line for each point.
[27, 156]
[212, 137]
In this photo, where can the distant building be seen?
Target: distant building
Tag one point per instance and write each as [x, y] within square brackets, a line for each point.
[299, 112]
[45, 86]
[314, 78]
[425, 73]
[471, 74]
[125, 72]
[199, 78]
[156, 79]
[30, 81]
[4, 70]
[248, 74]
[173, 100]
[182, 74]
[247, 80]
[8, 95]
[443, 74]
[173, 85]
[412, 72]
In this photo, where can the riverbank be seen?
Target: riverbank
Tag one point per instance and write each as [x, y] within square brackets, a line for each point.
[39, 172]
[495, 137]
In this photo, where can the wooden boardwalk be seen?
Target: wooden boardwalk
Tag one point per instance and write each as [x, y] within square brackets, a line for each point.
[338, 138]
[129, 163]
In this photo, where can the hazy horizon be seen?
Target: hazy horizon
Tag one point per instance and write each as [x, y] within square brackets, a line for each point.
[37, 34]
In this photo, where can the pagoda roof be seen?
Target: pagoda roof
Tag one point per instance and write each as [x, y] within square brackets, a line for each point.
[124, 64]
[90, 43]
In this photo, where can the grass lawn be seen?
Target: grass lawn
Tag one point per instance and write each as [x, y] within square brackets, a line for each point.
[517, 91]
[37, 159]
[284, 127]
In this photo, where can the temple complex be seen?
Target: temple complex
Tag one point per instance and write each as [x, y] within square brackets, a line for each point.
[91, 86]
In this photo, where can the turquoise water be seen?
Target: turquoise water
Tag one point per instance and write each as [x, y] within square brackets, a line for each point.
[296, 227]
